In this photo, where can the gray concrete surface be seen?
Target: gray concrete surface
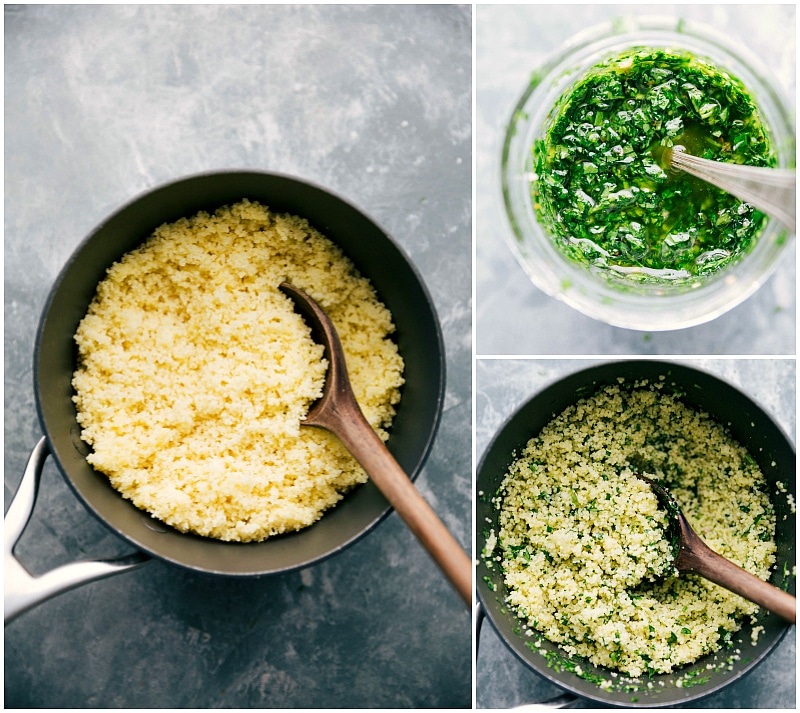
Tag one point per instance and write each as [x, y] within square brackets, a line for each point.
[514, 317]
[502, 386]
[373, 102]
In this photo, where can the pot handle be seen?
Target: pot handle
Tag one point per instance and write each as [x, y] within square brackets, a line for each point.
[24, 591]
[565, 700]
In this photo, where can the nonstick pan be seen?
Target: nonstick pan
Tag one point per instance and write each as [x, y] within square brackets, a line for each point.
[376, 256]
[750, 425]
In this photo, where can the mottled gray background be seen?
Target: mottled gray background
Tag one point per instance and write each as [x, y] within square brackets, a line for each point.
[514, 317]
[501, 387]
[373, 102]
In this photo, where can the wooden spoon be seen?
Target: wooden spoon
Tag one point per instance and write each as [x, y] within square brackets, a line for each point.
[697, 557]
[338, 412]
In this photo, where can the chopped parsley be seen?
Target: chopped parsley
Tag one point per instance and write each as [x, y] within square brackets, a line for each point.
[601, 189]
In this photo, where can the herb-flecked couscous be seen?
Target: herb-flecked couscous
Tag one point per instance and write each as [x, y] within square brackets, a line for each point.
[195, 373]
[581, 540]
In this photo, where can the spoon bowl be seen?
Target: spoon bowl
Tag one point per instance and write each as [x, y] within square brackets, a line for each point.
[771, 190]
[338, 411]
[694, 556]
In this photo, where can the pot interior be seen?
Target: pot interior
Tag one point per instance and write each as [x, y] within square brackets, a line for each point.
[748, 424]
[376, 256]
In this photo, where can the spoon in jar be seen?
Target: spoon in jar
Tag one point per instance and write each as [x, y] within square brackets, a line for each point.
[770, 190]
[695, 556]
[338, 411]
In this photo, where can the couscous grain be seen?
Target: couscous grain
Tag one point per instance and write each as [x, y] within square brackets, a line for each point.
[195, 373]
[581, 540]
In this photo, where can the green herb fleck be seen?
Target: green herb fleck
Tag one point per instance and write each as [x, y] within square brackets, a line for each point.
[602, 191]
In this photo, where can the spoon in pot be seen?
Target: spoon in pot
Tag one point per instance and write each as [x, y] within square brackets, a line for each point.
[695, 556]
[771, 190]
[338, 411]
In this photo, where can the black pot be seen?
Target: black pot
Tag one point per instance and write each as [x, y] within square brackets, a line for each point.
[747, 422]
[376, 256]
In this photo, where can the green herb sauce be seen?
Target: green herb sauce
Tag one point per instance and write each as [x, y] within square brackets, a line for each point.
[601, 189]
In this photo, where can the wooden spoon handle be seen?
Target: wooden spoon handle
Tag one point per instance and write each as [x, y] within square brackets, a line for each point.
[725, 573]
[338, 411]
[369, 450]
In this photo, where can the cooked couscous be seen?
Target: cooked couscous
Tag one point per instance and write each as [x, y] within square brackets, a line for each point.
[581, 541]
[195, 373]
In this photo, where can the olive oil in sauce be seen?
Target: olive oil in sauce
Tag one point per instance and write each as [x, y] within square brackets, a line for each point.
[602, 189]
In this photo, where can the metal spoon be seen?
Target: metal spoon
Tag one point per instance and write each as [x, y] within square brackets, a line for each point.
[771, 190]
[697, 557]
[338, 412]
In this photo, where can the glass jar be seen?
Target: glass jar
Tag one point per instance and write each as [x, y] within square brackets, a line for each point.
[601, 293]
